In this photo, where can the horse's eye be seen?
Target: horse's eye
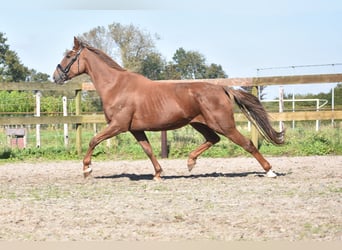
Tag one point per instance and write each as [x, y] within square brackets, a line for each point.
[68, 56]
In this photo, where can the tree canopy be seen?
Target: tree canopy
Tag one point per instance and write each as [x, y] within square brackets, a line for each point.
[192, 65]
[11, 68]
[135, 49]
[126, 43]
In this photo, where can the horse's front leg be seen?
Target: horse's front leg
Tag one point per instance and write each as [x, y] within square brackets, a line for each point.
[110, 131]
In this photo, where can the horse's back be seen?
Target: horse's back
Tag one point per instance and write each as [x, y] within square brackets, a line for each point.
[173, 105]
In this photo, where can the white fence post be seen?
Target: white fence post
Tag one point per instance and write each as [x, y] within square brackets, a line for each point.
[317, 109]
[332, 103]
[38, 96]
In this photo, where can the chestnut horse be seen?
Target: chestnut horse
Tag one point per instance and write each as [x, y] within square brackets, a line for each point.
[133, 103]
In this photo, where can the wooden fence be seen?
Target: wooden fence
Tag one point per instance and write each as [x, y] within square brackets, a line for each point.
[80, 119]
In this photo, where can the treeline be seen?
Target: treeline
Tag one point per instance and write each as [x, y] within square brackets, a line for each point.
[135, 49]
[12, 69]
[326, 96]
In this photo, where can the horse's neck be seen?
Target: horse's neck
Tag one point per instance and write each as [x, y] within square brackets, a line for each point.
[101, 74]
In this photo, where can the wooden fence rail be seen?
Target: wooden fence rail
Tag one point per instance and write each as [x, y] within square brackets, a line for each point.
[269, 80]
[80, 119]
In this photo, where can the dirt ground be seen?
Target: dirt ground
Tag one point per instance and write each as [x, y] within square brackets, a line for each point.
[221, 199]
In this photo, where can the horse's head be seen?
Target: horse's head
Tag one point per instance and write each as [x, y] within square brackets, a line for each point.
[70, 66]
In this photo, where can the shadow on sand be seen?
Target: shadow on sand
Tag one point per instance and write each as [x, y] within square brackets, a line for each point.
[141, 177]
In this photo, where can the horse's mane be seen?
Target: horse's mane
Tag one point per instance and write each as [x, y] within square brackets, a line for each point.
[103, 56]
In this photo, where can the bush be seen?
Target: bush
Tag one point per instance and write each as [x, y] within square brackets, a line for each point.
[316, 145]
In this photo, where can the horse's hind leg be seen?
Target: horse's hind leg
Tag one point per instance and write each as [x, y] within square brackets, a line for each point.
[211, 138]
[235, 136]
[140, 136]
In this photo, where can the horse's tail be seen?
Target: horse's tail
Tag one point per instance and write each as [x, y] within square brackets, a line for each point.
[255, 112]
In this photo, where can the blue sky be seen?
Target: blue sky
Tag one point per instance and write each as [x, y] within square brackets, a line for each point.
[242, 36]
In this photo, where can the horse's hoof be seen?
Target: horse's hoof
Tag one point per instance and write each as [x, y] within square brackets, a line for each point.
[157, 178]
[190, 167]
[271, 174]
[191, 164]
[87, 172]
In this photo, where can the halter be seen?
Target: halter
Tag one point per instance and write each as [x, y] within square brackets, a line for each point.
[63, 73]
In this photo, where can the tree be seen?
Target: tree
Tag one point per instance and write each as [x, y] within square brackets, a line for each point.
[215, 71]
[338, 94]
[100, 38]
[134, 43]
[192, 65]
[37, 76]
[135, 50]
[171, 72]
[11, 69]
[153, 66]
[3, 47]
[130, 43]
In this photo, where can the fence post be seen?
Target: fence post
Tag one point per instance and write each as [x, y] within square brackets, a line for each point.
[78, 125]
[332, 103]
[38, 95]
[281, 106]
[293, 108]
[317, 109]
[164, 151]
[65, 113]
[254, 131]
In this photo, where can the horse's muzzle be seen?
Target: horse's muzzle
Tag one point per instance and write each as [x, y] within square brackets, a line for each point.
[58, 81]
[59, 77]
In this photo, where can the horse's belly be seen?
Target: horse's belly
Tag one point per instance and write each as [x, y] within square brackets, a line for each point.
[160, 121]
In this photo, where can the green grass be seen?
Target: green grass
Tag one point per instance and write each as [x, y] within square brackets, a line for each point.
[301, 141]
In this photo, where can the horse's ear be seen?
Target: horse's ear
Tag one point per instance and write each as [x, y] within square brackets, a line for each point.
[76, 43]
